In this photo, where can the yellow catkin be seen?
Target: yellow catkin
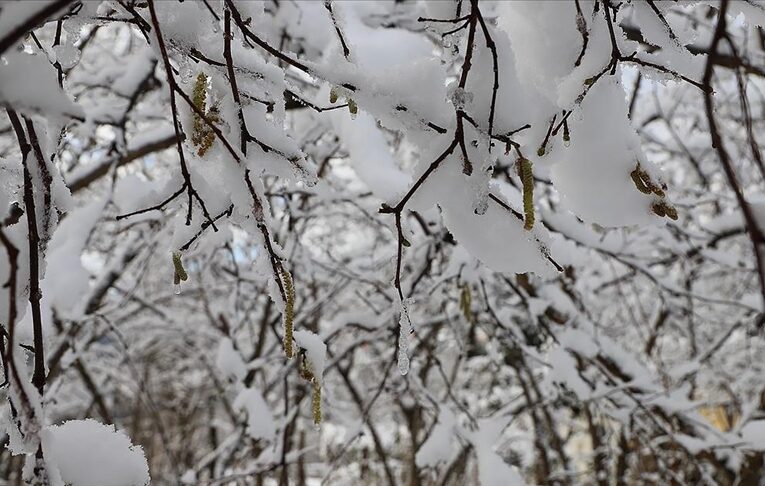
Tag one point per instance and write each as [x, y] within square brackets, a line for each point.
[199, 98]
[527, 178]
[316, 402]
[179, 273]
[306, 373]
[305, 368]
[289, 311]
[202, 136]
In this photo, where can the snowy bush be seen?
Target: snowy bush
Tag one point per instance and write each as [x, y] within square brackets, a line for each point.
[382, 242]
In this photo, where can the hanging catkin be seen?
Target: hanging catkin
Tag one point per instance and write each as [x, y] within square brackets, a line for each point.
[289, 310]
[316, 401]
[527, 179]
[202, 136]
[306, 373]
[179, 273]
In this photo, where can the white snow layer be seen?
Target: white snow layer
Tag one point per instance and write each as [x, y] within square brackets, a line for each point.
[89, 453]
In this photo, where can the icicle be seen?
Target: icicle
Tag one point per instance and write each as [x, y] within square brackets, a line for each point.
[404, 329]
[178, 289]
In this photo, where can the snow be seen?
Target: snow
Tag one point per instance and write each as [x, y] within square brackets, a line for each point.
[89, 453]
[439, 446]
[542, 59]
[593, 174]
[315, 350]
[136, 69]
[260, 423]
[66, 280]
[229, 361]
[446, 187]
[648, 312]
[371, 156]
[754, 433]
[492, 469]
[44, 95]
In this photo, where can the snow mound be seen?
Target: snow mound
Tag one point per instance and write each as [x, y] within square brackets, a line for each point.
[89, 453]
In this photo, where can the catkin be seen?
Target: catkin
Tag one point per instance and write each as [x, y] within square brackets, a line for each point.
[638, 180]
[466, 304]
[305, 367]
[306, 373]
[644, 184]
[202, 136]
[179, 273]
[527, 178]
[316, 402]
[353, 108]
[289, 311]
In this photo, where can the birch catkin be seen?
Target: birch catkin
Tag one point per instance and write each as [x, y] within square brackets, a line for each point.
[527, 179]
[316, 402]
[202, 136]
[289, 311]
[466, 305]
[306, 373]
[179, 273]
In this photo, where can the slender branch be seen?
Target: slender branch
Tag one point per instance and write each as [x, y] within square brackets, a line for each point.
[30, 23]
[753, 229]
[35, 293]
[346, 51]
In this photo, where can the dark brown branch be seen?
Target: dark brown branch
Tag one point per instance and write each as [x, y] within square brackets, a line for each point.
[263, 44]
[754, 231]
[157, 206]
[99, 170]
[192, 193]
[495, 66]
[30, 23]
[35, 294]
[232, 79]
[206, 225]
[346, 51]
